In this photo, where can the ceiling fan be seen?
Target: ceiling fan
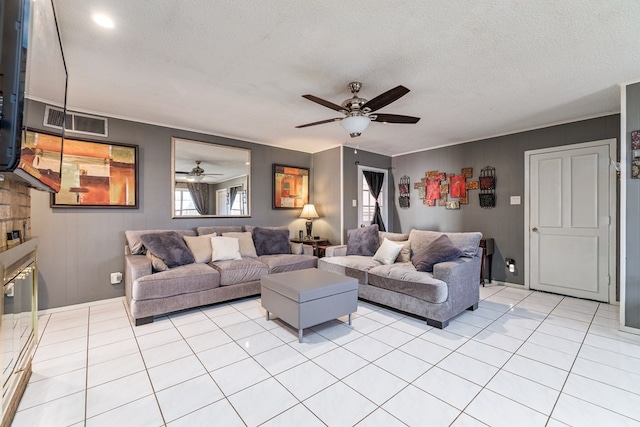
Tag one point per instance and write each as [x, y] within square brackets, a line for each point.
[197, 173]
[358, 111]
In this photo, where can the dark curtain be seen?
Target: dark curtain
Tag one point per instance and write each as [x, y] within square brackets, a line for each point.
[200, 195]
[233, 192]
[374, 181]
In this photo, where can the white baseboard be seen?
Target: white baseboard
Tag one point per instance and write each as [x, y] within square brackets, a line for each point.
[508, 284]
[82, 305]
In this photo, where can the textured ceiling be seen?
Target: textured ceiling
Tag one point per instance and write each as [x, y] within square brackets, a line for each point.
[238, 68]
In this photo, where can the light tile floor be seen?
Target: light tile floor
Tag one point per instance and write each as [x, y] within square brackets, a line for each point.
[522, 359]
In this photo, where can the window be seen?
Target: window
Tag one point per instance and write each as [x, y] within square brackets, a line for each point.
[184, 203]
[367, 204]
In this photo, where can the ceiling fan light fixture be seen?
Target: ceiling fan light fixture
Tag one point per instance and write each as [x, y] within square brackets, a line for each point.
[195, 178]
[355, 124]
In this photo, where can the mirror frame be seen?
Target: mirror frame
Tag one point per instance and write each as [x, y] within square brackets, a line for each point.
[213, 146]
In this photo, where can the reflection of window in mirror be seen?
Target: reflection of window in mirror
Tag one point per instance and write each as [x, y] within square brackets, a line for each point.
[237, 201]
[184, 203]
[206, 176]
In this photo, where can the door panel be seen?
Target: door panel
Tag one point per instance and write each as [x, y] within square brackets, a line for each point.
[569, 222]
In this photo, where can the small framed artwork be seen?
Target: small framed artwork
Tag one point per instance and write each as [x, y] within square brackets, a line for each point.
[290, 187]
[97, 175]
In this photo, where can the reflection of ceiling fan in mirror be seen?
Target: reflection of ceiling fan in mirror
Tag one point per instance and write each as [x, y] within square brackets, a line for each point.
[358, 111]
[196, 174]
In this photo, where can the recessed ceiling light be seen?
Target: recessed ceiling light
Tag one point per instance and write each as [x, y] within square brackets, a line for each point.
[103, 20]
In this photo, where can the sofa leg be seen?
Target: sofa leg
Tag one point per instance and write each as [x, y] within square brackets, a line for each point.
[473, 307]
[436, 324]
[144, 320]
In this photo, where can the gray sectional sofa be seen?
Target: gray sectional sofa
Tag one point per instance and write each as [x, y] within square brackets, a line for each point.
[151, 293]
[438, 296]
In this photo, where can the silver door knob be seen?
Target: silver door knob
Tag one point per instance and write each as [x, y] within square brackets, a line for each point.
[534, 229]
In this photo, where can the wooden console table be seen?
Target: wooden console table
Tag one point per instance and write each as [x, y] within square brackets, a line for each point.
[487, 255]
[316, 243]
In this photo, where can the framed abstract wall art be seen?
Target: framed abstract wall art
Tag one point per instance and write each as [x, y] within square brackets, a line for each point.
[290, 187]
[97, 175]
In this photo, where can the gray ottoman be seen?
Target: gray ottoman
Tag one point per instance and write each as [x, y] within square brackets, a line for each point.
[305, 298]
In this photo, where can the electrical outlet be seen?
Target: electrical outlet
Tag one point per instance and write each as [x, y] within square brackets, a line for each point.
[116, 278]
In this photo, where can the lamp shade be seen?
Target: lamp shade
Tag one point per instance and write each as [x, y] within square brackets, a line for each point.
[309, 212]
[355, 125]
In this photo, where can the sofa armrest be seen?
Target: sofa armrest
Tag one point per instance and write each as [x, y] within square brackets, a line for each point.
[339, 250]
[135, 266]
[307, 249]
[463, 279]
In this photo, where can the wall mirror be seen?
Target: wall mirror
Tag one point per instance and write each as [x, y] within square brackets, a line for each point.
[209, 180]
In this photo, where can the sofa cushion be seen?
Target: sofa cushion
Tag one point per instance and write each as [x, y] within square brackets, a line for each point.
[250, 228]
[169, 247]
[239, 271]
[289, 262]
[218, 229]
[156, 263]
[225, 248]
[247, 248]
[394, 237]
[387, 252]
[440, 250]
[468, 242]
[136, 247]
[355, 266]
[271, 241]
[405, 279]
[363, 241]
[400, 238]
[180, 280]
[405, 253]
[297, 248]
[200, 247]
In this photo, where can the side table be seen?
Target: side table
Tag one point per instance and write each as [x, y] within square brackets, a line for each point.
[487, 255]
[322, 241]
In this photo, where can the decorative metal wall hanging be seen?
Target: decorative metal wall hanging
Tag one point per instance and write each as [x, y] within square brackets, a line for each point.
[635, 154]
[439, 188]
[488, 187]
[404, 199]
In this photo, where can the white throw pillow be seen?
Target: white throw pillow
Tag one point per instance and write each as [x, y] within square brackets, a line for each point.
[200, 246]
[247, 248]
[387, 252]
[225, 248]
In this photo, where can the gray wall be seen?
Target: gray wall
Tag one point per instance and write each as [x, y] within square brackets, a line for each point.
[80, 247]
[350, 170]
[326, 194]
[632, 273]
[505, 222]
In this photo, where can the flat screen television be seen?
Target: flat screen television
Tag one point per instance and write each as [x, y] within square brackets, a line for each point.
[35, 53]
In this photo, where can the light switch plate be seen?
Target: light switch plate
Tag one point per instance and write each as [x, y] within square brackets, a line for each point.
[354, 203]
[515, 200]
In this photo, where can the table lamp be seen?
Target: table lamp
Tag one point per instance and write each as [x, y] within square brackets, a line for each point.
[309, 212]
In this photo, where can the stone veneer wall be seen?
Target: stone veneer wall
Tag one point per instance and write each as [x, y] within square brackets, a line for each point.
[15, 207]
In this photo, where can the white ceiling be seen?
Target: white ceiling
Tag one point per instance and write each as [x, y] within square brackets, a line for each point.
[238, 68]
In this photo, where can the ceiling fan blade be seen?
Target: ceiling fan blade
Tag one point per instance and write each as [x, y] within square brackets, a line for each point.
[337, 119]
[211, 174]
[386, 98]
[394, 118]
[324, 103]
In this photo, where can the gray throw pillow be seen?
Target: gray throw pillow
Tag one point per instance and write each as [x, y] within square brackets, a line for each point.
[440, 250]
[270, 241]
[169, 247]
[363, 241]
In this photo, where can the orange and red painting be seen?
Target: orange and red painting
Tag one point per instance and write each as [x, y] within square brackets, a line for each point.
[40, 157]
[96, 174]
[290, 187]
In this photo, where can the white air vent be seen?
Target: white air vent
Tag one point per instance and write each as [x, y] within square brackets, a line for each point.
[76, 122]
